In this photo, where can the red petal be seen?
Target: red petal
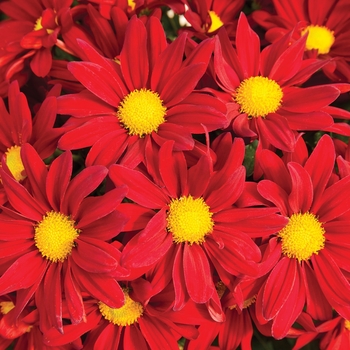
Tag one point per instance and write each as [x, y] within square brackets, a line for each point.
[73, 298]
[277, 290]
[248, 47]
[199, 281]
[20, 198]
[141, 189]
[60, 172]
[290, 310]
[23, 273]
[134, 57]
[301, 196]
[92, 76]
[81, 186]
[309, 99]
[148, 246]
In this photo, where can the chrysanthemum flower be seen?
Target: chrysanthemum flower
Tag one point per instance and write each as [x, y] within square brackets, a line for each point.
[327, 25]
[53, 239]
[194, 226]
[141, 323]
[314, 245]
[263, 96]
[25, 332]
[207, 16]
[236, 330]
[149, 96]
[30, 33]
[17, 127]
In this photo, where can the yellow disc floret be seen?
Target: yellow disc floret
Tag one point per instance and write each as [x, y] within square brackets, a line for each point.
[216, 22]
[6, 307]
[302, 236]
[141, 112]
[347, 325]
[123, 316]
[14, 162]
[320, 38]
[246, 303]
[189, 220]
[55, 235]
[258, 96]
[39, 26]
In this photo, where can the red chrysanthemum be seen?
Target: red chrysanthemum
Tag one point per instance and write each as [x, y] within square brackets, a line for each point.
[191, 225]
[262, 89]
[47, 233]
[144, 322]
[313, 248]
[327, 24]
[207, 16]
[17, 127]
[149, 95]
[30, 33]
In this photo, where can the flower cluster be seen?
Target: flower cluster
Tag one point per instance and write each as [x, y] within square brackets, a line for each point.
[174, 174]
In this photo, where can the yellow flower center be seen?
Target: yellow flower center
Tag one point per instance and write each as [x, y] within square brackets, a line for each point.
[216, 22]
[39, 26]
[302, 236]
[246, 303]
[55, 235]
[131, 4]
[123, 316]
[141, 112]
[14, 162]
[319, 38]
[189, 220]
[347, 325]
[258, 96]
[6, 307]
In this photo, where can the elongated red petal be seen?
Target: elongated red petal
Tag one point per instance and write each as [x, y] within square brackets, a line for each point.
[197, 274]
[141, 189]
[277, 290]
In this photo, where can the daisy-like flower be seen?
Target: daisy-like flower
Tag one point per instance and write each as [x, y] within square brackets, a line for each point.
[17, 127]
[47, 233]
[194, 226]
[263, 96]
[313, 246]
[148, 96]
[141, 323]
[236, 330]
[207, 16]
[30, 33]
[327, 25]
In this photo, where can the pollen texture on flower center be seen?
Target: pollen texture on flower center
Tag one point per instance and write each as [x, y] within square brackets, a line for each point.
[258, 96]
[302, 236]
[126, 315]
[55, 235]
[189, 220]
[14, 162]
[319, 38]
[216, 22]
[141, 112]
[347, 325]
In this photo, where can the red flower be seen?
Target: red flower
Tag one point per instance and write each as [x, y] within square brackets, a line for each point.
[141, 323]
[263, 96]
[48, 232]
[194, 224]
[313, 246]
[148, 96]
[17, 127]
[327, 25]
[30, 32]
[207, 16]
